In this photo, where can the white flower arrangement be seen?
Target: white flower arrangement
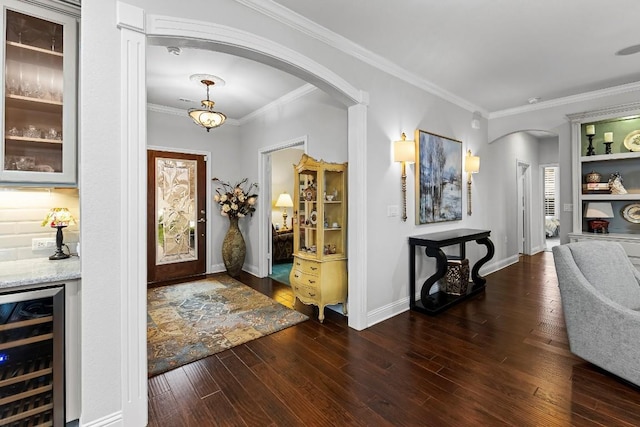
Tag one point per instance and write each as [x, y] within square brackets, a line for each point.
[236, 201]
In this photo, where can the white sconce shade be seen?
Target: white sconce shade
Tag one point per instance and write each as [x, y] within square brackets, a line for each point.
[404, 151]
[472, 163]
[599, 210]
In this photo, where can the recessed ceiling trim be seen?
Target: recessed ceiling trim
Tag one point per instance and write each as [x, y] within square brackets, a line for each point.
[313, 29]
[586, 96]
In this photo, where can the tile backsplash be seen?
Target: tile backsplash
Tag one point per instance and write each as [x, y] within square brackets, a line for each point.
[21, 213]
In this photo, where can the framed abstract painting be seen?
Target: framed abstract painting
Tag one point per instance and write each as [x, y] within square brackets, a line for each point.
[438, 178]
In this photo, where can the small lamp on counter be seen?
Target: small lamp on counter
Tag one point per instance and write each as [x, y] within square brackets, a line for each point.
[595, 213]
[58, 218]
[284, 201]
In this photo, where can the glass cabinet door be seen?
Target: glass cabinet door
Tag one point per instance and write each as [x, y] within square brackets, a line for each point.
[334, 213]
[39, 96]
[308, 215]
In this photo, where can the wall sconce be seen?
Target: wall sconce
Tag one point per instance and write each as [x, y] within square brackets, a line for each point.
[597, 211]
[404, 152]
[284, 201]
[471, 166]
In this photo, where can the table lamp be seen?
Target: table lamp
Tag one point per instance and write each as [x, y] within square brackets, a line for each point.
[284, 201]
[597, 211]
[58, 218]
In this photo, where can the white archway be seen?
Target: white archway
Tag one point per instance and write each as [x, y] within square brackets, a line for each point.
[134, 34]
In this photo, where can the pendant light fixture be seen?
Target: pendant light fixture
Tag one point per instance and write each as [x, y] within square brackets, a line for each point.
[206, 117]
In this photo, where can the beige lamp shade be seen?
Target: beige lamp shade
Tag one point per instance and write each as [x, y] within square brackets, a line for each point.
[284, 201]
[599, 210]
[472, 163]
[404, 151]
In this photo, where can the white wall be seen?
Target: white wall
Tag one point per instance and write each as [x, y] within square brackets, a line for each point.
[548, 150]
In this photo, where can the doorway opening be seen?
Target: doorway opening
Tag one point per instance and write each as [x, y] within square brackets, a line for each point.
[523, 198]
[550, 203]
[276, 164]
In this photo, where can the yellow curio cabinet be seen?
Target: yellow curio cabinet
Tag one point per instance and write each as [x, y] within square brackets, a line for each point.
[319, 273]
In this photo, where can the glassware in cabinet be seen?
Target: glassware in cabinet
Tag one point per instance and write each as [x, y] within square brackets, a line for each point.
[39, 144]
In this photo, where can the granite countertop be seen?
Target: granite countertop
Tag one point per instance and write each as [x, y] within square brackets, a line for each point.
[35, 271]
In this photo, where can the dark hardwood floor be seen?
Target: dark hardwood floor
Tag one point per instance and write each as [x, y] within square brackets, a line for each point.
[501, 358]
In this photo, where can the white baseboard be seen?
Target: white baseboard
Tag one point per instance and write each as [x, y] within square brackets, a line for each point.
[252, 269]
[400, 306]
[499, 264]
[217, 268]
[388, 311]
[111, 420]
[220, 268]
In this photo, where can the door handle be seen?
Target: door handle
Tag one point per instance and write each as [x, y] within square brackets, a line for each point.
[202, 220]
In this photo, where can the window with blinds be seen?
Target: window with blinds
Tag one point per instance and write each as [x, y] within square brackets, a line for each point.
[550, 191]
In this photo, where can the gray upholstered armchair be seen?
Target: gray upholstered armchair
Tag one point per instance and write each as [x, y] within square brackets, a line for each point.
[600, 291]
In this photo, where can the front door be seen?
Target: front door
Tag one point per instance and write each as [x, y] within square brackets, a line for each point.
[176, 215]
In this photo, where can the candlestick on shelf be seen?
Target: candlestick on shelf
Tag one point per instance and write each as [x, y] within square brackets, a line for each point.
[608, 140]
[590, 131]
[590, 150]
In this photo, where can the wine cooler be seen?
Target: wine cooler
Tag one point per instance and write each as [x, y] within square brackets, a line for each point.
[32, 358]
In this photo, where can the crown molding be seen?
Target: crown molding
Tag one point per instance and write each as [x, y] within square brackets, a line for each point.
[283, 100]
[604, 113]
[312, 29]
[572, 99]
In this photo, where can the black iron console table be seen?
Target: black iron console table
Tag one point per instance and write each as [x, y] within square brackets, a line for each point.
[440, 301]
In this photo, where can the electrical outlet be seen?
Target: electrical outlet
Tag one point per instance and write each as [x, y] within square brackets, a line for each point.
[43, 243]
[393, 210]
[568, 207]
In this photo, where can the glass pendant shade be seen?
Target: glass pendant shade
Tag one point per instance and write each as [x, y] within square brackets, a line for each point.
[206, 117]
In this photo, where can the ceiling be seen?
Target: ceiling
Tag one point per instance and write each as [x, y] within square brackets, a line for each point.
[490, 55]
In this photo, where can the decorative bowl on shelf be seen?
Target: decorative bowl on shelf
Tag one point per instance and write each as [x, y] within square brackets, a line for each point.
[593, 177]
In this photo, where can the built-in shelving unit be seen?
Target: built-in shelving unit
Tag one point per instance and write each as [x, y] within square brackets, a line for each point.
[620, 123]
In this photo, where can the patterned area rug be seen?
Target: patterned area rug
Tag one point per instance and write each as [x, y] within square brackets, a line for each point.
[189, 321]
